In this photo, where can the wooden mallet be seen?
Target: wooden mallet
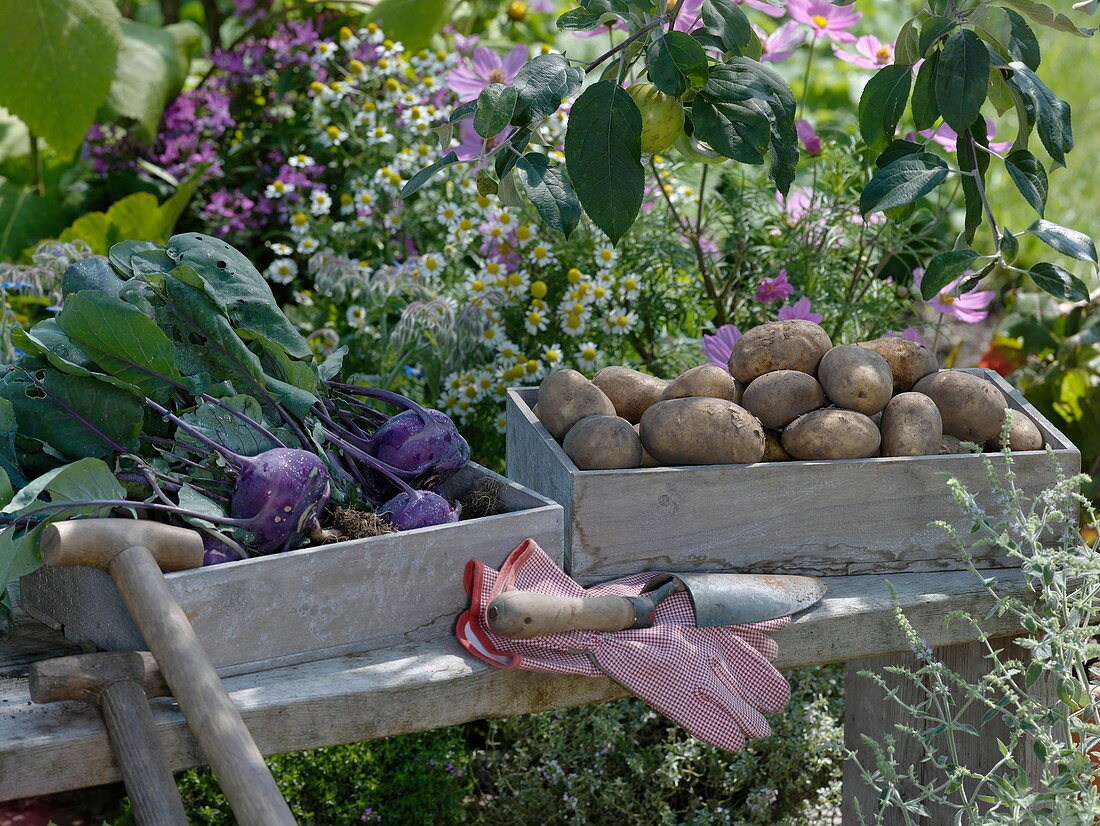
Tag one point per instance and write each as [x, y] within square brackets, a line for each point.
[135, 552]
[119, 683]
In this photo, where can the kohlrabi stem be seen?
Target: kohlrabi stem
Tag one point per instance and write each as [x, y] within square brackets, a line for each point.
[377, 464]
[226, 453]
[388, 396]
[130, 503]
[232, 543]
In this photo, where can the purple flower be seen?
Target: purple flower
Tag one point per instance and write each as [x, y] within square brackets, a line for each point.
[484, 69]
[809, 138]
[825, 19]
[471, 144]
[767, 8]
[871, 53]
[690, 16]
[799, 310]
[782, 43]
[948, 138]
[618, 26]
[798, 202]
[718, 347]
[774, 289]
[705, 244]
[909, 333]
[970, 307]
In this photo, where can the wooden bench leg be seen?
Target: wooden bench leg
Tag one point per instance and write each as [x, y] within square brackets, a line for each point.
[868, 712]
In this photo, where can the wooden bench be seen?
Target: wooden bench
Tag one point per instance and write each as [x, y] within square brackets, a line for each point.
[52, 748]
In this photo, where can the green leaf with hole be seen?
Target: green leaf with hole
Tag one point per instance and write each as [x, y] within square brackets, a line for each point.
[603, 147]
[1066, 241]
[882, 103]
[903, 181]
[550, 191]
[962, 79]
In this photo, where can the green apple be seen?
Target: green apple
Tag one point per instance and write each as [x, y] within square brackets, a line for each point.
[662, 116]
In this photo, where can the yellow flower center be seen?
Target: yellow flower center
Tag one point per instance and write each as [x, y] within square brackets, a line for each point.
[606, 255]
[630, 284]
[883, 54]
[523, 233]
[497, 76]
[622, 321]
[573, 322]
[514, 280]
[588, 354]
[493, 268]
[532, 366]
[947, 299]
[538, 289]
[574, 275]
[333, 132]
[517, 10]
[821, 22]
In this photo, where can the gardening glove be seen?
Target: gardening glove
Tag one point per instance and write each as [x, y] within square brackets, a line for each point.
[716, 682]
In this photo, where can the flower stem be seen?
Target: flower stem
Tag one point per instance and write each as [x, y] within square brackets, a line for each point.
[806, 78]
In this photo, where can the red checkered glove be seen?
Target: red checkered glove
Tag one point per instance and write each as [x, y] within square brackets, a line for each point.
[715, 682]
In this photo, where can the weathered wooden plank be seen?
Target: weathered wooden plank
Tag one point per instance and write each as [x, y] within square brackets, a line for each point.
[314, 602]
[834, 518]
[416, 687]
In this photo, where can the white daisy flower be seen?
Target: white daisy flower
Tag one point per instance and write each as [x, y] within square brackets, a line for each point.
[303, 298]
[301, 161]
[525, 234]
[326, 50]
[574, 324]
[449, 213]
[299, 223]
[320, 203]
[333, 136]
[552, 355]
[588, 354]
[629, 285]
[281, 250]
[620, 321]
[308, 246]
[606, 256]
[356, 316]
[378, 136]
[282, 270]
[277, 189]
[535, 322]
[432, 264]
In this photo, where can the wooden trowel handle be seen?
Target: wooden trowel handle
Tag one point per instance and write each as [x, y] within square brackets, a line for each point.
[519, 615]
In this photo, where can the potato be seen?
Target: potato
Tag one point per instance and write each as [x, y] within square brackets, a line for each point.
[773, 447]
[701, 431]
[603, 443]
[566, 397]
[909, 361]
[831, 433]
[629, 390]
[647, 460]
[950, 446]
[1023, 434]
[709, 380]
[780, 397]
[795, 344]
[856, 378]
[911, 426]
[971, 407]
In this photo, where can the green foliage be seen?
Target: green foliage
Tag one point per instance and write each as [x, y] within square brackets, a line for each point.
[152, 67]
[59, 60]
[413, 22]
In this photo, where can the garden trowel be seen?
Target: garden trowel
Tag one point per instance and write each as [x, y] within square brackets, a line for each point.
[719, 599]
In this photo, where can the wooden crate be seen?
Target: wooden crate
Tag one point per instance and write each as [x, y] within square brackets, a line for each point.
[313, 603]
[822, 518]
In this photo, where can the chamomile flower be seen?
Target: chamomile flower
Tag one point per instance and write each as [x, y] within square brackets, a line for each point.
[356, 316]
[281, 250]
[277, 189]
[347, 204]
[620, 321]
[326, 50]
[308, 246]
[535, 321]
[606, 256]
[364, 199]
[432, 264]
[299, 223]
[588, 354]
[348, 40]
[508, 351]
[574, 324]
[378, 136]
[320, 203]
[492, 334]
[541, 254]
[301, 161]
[525, 234]
[629, 285]
[333, 136]
[574, 276]
[303, 298]
[502, 424]
[448, 213]
[552, 355]
[282, 270]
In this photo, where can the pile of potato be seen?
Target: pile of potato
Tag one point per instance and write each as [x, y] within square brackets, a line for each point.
[789, 394]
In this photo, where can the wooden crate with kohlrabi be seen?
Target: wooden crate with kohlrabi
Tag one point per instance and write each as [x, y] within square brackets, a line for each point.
[801, 458]
[171, 386]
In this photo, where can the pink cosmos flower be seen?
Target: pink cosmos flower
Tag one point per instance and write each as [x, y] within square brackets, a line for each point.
[718, 347]
[971, 306]
[690, 16]
[809, 138]
[801, 310]
[780, 44]
[705, 244]
[798, 202]
[910, 334]
[774, 289]
[948, 138]
[484, 69]
[871, 53]
[767, 8]
[825, 19]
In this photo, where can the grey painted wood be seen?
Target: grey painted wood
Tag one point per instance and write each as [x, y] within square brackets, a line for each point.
[314, 602]
[420, 686]
[820, 518]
